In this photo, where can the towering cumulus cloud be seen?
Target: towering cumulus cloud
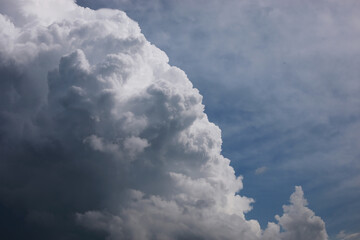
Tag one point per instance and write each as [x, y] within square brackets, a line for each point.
[101, 138]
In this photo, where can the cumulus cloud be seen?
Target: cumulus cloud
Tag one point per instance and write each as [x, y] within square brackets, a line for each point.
[289, 75]
[299, 222]
[101, 137]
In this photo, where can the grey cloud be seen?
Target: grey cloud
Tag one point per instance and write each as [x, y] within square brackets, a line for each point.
[103, 139]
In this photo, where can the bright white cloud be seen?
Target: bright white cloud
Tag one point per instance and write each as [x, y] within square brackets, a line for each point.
[103, 128]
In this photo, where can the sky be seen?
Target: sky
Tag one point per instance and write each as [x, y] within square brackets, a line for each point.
[104, 138]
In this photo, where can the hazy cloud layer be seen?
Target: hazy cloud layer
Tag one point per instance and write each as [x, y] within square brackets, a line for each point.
[101, 138]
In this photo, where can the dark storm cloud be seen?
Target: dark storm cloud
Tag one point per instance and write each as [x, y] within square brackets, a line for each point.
[101, 138]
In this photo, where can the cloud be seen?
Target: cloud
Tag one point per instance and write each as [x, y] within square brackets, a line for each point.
[288, 74]
[351, 236]
[299, 222]
[260, 170]
[101, 137]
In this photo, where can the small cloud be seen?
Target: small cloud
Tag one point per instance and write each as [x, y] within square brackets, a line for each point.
[348, 236]
[260, 170]
[299, 222]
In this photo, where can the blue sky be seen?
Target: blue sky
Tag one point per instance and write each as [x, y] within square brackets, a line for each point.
[281, 79]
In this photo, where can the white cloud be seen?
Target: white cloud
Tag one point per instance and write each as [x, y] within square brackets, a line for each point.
[299, 222]
[81, 86]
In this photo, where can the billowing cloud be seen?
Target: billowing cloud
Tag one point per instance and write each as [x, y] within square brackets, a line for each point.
[101, 137]
[299, 222]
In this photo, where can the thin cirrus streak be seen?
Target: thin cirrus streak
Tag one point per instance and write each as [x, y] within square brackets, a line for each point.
[101, 137]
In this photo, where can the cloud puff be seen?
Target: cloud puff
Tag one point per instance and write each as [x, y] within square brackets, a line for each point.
[299, 222]
[101, 137]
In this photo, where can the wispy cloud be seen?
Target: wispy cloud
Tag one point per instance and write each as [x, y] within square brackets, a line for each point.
[348, 236]
[260, 170]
